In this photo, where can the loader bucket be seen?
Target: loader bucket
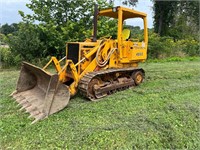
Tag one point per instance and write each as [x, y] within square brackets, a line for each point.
[40, 93]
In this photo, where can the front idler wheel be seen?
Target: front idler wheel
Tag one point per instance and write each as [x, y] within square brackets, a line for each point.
[138, 77]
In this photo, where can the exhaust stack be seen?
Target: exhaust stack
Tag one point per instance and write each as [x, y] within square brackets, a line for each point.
[94, 39]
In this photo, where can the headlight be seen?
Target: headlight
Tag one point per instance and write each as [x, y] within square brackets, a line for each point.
[114, 9]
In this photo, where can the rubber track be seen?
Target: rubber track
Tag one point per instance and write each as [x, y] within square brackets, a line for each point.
[84, 82]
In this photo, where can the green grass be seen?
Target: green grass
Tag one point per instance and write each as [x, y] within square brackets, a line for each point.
[162, 113]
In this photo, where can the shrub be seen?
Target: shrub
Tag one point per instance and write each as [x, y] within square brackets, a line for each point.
[191, 47]
[163, 47]
[26, 43]
[8, 59]
[159, 47]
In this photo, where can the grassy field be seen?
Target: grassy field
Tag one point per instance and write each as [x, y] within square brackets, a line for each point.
[162, 113]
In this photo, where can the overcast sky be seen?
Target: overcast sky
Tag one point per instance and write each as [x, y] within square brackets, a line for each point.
[9, 11]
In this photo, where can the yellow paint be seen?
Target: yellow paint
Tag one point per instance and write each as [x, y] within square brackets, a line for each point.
[126, 34]
[105, 53]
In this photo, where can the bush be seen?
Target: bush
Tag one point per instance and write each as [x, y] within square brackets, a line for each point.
[163, 47]
[8, 59]
[2, 39]
[159, 47]
[190, 47]
[26, 42]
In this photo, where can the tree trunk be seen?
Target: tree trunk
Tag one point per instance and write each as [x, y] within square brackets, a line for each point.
[160, 23]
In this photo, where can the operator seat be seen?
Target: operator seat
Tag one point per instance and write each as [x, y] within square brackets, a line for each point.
[126, 34]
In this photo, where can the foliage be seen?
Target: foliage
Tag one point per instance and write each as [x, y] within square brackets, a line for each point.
[130, 2]
[26, 43]
[164, 14]
[126, 2]
[61, 21]
[176, 18]
[162, 113]
[174, 59]
[8, 29]
[190, 47]
[2, 39]
[162, 47]
[191, 10]
[108, 24]
[7, 58]
[136, 32]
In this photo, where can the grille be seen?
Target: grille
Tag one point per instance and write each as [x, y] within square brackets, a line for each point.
[73, 52]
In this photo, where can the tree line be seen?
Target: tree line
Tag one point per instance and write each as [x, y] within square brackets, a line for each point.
[53, 23]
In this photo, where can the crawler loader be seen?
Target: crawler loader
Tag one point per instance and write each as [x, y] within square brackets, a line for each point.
[96, 68]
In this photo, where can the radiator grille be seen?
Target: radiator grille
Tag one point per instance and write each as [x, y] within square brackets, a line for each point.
[73, 52]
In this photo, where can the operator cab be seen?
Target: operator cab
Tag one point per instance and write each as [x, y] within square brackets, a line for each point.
[122, 14]
[127, 44]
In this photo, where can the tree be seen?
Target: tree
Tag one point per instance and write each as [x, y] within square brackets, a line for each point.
[7, 29]
[26, 43]
[189, 10]
[57, 22]
[130, 2]
[61, 21]
[164, 13]
[168, 14]
[126, 2]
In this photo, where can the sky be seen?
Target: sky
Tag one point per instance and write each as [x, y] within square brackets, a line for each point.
[9, 11]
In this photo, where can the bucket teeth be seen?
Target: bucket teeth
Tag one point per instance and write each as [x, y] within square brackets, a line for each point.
[22, 108]
[23, 102]
[30, 109]
[31, 116]
[40, 93]
[25, 105]
[20, 98]
[13, 93]
[38, 117]
[34, 113]
[36, 120]
[16, 96]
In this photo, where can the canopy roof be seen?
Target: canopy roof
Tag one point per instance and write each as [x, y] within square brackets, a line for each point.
[127, 13]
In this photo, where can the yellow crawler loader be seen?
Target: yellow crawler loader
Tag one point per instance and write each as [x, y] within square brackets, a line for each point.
[96, 68]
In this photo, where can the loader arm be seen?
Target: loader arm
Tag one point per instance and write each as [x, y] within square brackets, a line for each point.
[55, 62]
